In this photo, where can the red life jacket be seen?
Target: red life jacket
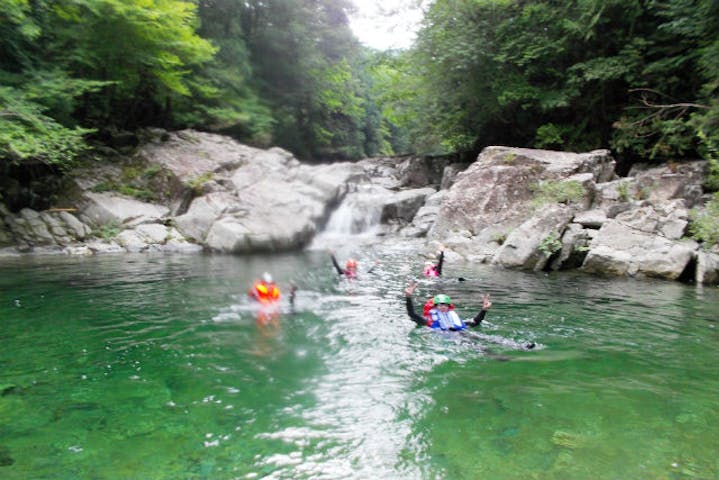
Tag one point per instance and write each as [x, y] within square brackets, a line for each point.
[428, 305]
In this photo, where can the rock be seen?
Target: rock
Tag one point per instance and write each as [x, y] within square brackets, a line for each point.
[36, 230]
[107, 208]
[203, 212]
[403, 205]
[621, 249]
[131, 241]
[575, 244]
[153, 232]
[78, 250]
[449, 175]
[591, 218]
[531, 245]
[74, 227]
[496, 192]
[100, 248]
[707, 270]
[674, 180]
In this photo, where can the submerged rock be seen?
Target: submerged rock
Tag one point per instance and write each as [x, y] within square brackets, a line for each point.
[5, 458]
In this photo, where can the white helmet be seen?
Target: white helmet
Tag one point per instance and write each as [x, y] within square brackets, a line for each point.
[266, 277]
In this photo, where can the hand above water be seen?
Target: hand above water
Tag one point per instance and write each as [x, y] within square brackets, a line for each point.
[410, 289]
[486, 302]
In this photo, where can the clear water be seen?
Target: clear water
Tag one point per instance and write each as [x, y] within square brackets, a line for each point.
[155, 367]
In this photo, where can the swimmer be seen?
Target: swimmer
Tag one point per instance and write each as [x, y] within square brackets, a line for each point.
[440, 314]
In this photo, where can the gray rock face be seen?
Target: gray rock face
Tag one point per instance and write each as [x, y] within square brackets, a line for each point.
[632, 226]
[622, 249]
[252, 199]
[499, 187]
[707, 267]
[218, 193]
[530, 245]
[107, 208]
[513, 207]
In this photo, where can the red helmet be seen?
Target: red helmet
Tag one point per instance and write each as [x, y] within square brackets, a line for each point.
[351, 263]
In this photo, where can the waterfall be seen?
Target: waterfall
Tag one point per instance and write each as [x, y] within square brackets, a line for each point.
[359, 214]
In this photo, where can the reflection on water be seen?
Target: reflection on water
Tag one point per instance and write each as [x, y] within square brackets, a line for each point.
[159, 367]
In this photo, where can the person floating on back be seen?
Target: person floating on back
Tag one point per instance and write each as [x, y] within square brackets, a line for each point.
[434, 269]
[265, 290]
[440, 312]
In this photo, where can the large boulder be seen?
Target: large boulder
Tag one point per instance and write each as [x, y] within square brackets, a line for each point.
[202, 213]
[632, 247]
[707, 266]
[109, 208]
[532, 244]
[249, 199]
[673, 180]
[501, 191]
[190, 154]
[30, 229]
[498, 189]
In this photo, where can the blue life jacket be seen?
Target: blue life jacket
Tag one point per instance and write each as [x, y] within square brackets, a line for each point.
[448, 320]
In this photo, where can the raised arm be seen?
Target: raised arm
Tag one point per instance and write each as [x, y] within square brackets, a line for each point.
[486, 305]
[440, 262]
[293, 293]
[336, 265]
[418, 319]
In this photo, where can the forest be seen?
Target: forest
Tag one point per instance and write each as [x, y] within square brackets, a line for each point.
[640, 77]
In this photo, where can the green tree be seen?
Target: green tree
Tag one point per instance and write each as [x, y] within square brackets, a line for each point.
[92, 63]
[638, 76]
[36, 99]
[231, 101]
[145, 48]
[307, 64]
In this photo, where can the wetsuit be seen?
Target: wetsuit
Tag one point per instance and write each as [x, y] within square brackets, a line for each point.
[423, 322]
[439, 263]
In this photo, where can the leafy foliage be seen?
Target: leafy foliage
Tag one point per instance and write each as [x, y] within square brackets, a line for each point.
[640, 77]
[107, 231]
[27, 133]
[704, 226]
[570, 191]
[550, 245]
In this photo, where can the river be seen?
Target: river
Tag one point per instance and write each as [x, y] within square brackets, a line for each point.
[158, 367]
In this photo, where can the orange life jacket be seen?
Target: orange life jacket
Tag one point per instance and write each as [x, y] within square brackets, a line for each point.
[265, 292]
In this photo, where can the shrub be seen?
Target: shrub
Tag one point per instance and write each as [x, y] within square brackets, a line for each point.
[550, 245]
[196, 183]
[107, 231]
[710, 151]
[711, 183]
[704, 225]
[553, 191]
[623, 191]
[500, 237]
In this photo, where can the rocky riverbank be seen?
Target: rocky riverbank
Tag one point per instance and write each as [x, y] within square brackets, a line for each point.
[527, 209]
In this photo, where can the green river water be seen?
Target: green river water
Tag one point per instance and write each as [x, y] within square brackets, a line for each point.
[155, 367]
